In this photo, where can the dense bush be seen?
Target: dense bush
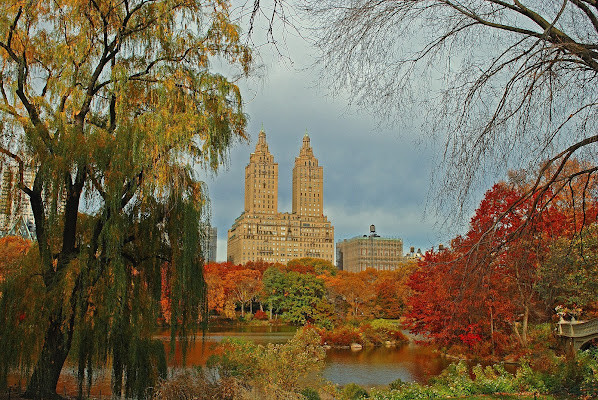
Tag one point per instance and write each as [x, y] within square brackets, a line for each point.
[260, 315]
[310, 394]
[354, 392]
[576, 377]
[411, 391]
[274, 371]
[197, 386]
[376, 333]
[396, 384]
[343, 336]
[380, 331]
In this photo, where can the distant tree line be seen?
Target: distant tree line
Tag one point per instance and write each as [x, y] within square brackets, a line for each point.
[304, 291]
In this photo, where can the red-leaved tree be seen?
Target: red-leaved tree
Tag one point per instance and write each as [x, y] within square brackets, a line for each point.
[483, 286]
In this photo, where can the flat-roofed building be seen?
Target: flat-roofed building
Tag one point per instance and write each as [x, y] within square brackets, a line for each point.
[369, 251]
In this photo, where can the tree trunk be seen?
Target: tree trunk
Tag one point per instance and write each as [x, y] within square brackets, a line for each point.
[57, 343]
[59, 334]
[492, 330]
[524, 326]
[516, 331]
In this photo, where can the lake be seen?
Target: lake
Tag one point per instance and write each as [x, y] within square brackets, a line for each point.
[369, 367]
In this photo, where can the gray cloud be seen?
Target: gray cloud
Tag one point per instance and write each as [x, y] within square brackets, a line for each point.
[371, 175]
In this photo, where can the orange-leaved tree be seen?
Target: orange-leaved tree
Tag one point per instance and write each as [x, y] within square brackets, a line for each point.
[12, 251]
[357, 290]
[245, 285]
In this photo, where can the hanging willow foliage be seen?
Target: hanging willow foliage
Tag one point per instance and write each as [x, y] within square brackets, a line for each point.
[112, 107]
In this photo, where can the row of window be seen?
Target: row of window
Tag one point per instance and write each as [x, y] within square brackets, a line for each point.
[381, 253]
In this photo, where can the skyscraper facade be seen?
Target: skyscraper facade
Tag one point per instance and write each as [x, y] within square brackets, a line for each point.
[15, 208]
[263, 233]
[16, 215]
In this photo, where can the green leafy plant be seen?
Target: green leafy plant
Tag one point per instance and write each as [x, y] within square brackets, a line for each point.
[273, 371]
[353, 391]
[310, 394]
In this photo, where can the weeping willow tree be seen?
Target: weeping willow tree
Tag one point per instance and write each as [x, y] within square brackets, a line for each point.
[108, 107]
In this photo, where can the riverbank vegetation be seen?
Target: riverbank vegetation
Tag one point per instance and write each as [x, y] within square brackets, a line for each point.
[378, 332]
[346, 307]
[244, 370]
[573, 378]
[486, 295]
[306, 291]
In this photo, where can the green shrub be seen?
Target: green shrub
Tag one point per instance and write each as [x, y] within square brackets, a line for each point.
[576, 376]
[412, 391]
[542, 335]
[396, 384]
[492, 379]
[589, 385]
[388, 324]
[272, 371]
[382, 330]
[353, 391]
[310, 394]
[235, 358]
[528, 380]
[455, 378]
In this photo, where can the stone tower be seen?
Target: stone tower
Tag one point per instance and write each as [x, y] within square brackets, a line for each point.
[308, 178]
[261, 180]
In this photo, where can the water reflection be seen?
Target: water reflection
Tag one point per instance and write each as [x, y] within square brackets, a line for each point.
[380, 365]
[203, 346]
[374, 366]
[369, 367]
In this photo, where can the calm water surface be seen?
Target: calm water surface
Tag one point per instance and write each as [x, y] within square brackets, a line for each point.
[369, 367]
[381, 365]
[373, 366]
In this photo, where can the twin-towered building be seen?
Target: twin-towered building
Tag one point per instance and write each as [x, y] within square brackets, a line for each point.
[263, 233]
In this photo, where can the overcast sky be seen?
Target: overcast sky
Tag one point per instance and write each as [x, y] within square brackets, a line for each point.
[371, 176]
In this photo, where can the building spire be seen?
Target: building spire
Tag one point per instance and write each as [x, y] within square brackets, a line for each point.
[306, 148]
[261, 145]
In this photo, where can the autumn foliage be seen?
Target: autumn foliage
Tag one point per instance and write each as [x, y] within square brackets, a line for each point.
[520, 258]
[107, 109]
[12, 250]
[481, 294]
[305, 290]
